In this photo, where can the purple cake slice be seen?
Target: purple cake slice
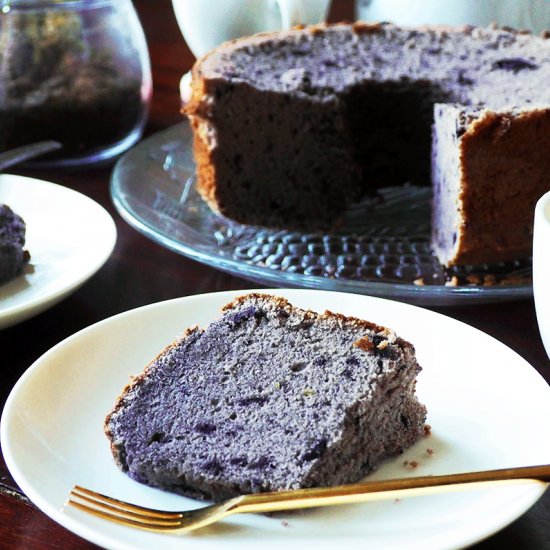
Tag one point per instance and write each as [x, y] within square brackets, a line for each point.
[268, 397]
[12, 241]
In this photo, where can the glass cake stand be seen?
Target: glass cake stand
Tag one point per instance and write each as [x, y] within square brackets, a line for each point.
[381, 249]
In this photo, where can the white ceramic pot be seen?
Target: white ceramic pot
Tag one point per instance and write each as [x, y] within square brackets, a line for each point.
[541, 268]
[207, 23]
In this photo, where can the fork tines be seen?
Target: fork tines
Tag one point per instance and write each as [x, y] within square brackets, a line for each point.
[122, 512]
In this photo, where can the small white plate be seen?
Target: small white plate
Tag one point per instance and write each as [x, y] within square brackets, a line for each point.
[487, 407]
[69, 237]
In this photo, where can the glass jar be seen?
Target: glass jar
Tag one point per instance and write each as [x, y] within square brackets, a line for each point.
[75, 71]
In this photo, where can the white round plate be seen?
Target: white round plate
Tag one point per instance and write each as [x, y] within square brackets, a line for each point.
[487, 408]
[69, 237]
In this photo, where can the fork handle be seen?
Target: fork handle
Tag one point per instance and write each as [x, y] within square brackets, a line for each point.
[392, 488]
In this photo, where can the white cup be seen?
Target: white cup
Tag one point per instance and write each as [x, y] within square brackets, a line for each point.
[207, 23]
[541, 268]
[533, 15]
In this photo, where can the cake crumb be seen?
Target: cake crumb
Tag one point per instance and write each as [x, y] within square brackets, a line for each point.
[419, 282]
[430, 451]
[365, 343]
[453, 281]
[284, 523]
[427, 430]
[516, 280]
[383, 344]
[473, 279]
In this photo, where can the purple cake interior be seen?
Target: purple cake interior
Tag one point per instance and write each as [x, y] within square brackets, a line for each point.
[268, 397]
[12, 241]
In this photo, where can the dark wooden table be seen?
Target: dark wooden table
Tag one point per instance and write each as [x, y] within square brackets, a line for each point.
[141, 272]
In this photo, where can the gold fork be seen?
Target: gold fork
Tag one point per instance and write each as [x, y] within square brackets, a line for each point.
[158, 520]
